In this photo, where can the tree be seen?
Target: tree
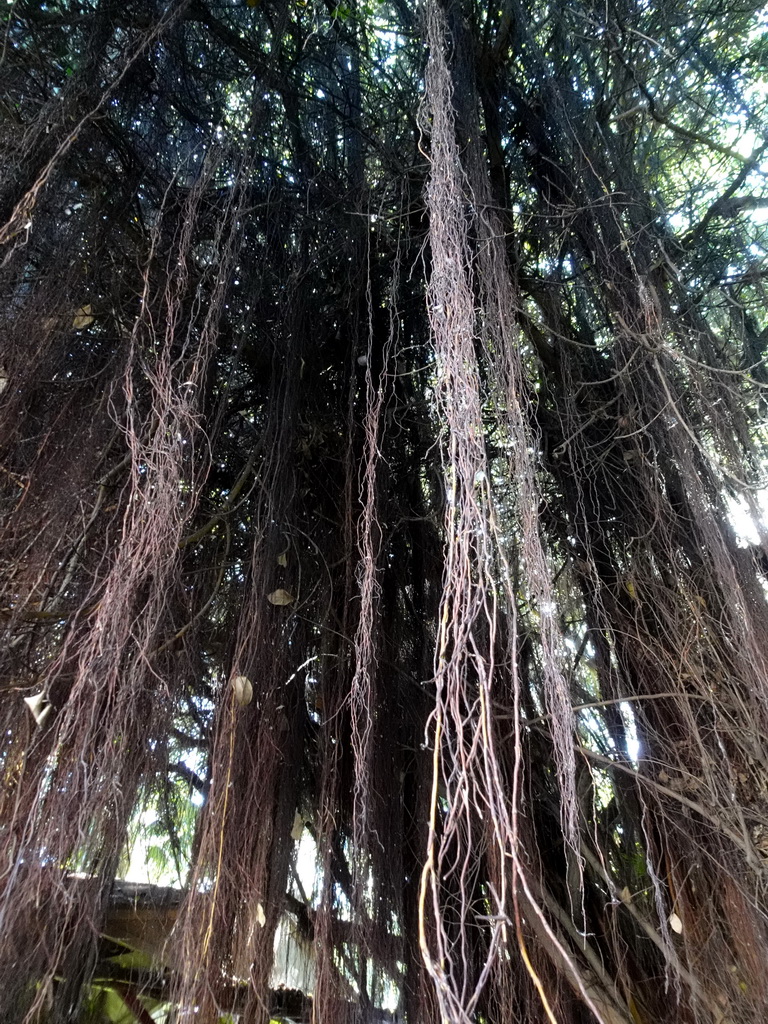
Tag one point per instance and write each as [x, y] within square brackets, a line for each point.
[378, 386]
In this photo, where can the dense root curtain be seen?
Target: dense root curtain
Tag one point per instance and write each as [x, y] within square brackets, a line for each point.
[366, 484]
[477, 865]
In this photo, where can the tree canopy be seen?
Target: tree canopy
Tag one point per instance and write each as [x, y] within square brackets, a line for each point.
[382, 443]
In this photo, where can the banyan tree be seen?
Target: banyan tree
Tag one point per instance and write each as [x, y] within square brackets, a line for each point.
[383, 561]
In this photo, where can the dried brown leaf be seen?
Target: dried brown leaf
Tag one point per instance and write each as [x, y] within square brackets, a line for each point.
[83, 317]
[243, 690]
